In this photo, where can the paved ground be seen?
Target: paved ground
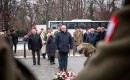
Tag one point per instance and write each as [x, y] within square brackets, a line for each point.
[46, 71]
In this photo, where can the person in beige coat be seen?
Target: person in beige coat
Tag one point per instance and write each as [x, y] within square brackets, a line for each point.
[112, 58]
[43, 49]
[78, 37]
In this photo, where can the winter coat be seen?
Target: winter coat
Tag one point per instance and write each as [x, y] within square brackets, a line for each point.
[14, 38]
[78, 37]
[43, 43]
[51, 46]
[85, 37]
[64, 42]
[100, 36]
[35, 42]
[91, 38]
[55, 33]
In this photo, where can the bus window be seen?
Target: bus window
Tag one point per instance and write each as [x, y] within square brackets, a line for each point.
[84, 25]
[54, 28]
[54, 25]
[96, 24]
[64, 23]
[71, 25]
[104, 24]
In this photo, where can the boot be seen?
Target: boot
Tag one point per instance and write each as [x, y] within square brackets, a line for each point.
[44, 55]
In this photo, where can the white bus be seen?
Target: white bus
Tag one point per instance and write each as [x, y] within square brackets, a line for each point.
[73, 24]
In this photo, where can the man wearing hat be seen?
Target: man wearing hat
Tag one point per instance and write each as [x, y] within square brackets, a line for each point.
[112, 59]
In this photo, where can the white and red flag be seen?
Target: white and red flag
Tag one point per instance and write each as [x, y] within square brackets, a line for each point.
[111, 29]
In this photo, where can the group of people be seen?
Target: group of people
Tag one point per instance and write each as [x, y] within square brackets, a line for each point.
[49, 43]
[60, 42]
[11, 38]
[91, 36]
[110, 62]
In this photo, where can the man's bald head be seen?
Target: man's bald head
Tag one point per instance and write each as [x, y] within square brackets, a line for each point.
[102, 29]
[92, 30]
[99, 29]
[63, 28]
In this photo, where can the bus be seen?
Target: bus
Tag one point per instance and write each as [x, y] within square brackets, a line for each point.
[73, 24]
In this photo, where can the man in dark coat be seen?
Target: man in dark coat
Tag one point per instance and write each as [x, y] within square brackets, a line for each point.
[35, 44]
[85, 35]
[14, 40]
[64, 45]
[100, 34]
[103, 33]
[91, 37]
[112, 59]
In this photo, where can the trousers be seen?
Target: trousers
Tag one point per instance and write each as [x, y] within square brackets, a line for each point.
[63, 61]
[38, 56]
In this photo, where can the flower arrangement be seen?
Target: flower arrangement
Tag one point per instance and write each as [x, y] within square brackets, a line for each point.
[64, 75]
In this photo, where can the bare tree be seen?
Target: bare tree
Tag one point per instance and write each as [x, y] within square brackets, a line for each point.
[25, 13]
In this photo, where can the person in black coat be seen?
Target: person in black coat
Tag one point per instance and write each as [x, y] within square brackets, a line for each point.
[103, 33]
[14, 40]
[64, 44]
[91, 37]
[35, 44]
[85, 35]
[100, 34]
[51, 48]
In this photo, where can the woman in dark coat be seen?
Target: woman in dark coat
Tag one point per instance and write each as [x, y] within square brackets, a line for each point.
[51, 48]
